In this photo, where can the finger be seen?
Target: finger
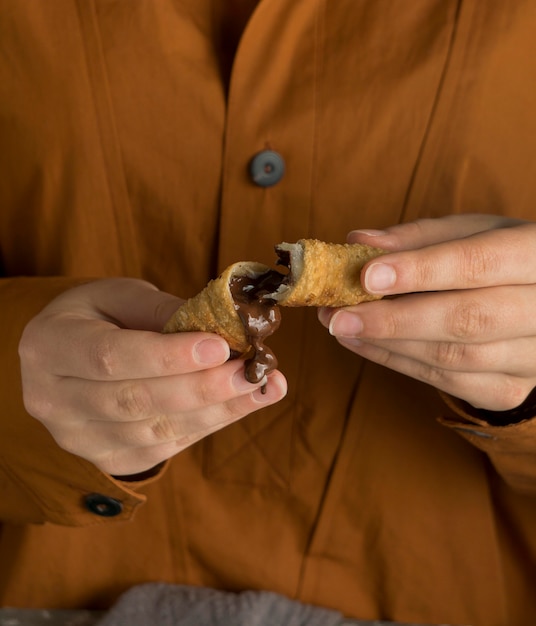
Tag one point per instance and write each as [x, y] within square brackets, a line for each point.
[126, 302]
[473, 316]
[512, 357]
[185, 428]
[491, 391]
[139, 399]
[426, 232]
[98, 350]
[498, 257]
[123, 448]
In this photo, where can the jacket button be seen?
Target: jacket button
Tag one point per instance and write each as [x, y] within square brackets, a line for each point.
[266, 168]
[104, 506]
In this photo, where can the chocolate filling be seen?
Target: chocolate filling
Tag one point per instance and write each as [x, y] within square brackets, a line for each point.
[261, 318]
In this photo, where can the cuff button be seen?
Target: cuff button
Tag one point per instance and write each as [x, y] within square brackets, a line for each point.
[104, 506]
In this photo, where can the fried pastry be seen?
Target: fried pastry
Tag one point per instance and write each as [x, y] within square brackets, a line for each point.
[242, 304]
[232, 306]
[322, 274]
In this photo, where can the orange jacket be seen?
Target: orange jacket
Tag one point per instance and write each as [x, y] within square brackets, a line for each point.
[125, 152]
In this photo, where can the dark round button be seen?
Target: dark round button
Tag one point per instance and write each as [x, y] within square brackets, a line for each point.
[103, 505]
[266, 168]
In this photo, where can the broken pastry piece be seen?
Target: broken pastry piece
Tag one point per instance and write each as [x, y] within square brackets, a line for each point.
[232, 306]
[241, 305]
[322, 274]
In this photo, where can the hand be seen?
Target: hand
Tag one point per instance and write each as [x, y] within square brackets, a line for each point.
[128, 399]
[466, 324]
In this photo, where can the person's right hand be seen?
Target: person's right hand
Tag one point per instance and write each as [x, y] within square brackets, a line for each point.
[112, 389]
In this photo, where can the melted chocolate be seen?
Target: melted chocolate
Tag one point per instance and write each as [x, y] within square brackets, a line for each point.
[261, 318]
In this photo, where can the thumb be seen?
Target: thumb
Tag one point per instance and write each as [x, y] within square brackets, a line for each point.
[126, 302]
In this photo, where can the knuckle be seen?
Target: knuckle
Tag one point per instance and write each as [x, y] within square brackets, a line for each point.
[68, 440]
[66, 443]
[388, 324]
[28, 353]
[468, 320]
[133, 400]
[449, 354]
[160, 429]
[392, 327]
[103, 358]
[37, 405]
[425, 274]
[435, 376]
[478, 261]
[172, 361]
[512, 393]
[205, 393]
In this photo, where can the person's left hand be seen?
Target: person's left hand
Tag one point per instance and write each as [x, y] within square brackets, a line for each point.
[466, 323]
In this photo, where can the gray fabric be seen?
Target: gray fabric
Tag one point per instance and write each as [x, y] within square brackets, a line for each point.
[159, 604]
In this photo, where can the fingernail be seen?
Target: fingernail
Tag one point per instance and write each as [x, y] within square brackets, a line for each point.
[241, 383]
[210, 351]
[380, 278]
[344, 324]
[272, 391]
[371, 232]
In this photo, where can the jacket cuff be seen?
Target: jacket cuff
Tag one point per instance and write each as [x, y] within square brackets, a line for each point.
[510, 447]
[526, 410]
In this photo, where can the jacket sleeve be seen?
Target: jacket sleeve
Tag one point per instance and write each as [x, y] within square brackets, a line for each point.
[40, 482]
[511, 447]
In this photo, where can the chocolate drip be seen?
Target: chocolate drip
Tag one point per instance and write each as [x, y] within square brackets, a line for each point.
[260, 317]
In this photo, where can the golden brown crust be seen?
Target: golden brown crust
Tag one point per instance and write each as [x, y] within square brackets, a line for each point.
[320, 274]
[213, 311]
[324, 274]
